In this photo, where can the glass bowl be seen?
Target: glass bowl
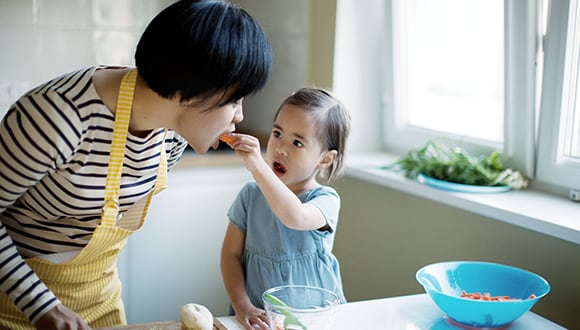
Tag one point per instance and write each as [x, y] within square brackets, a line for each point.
[300, 307]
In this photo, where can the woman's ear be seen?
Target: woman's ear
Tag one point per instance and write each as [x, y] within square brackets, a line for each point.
[327, 159]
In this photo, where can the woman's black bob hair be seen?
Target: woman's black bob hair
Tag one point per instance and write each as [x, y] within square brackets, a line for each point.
[201, 48]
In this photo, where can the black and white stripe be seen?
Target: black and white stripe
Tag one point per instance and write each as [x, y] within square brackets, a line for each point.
[54, 153]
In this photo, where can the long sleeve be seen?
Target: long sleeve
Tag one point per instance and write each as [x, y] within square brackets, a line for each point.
[31, 148]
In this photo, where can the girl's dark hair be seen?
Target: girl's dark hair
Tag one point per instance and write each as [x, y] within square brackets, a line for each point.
[332, 123]
[201, 48]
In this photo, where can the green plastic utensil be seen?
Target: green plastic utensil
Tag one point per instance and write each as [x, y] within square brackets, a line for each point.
[289, 317]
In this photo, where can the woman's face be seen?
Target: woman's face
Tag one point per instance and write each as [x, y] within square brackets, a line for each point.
[201, 123]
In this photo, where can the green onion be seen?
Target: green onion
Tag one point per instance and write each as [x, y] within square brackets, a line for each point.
[289, 317]
[456, 165]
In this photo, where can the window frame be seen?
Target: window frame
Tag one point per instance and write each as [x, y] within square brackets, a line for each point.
[521, 51]
[552, 167]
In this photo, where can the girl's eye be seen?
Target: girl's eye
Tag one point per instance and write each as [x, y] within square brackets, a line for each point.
[276, 134]
[298, 144]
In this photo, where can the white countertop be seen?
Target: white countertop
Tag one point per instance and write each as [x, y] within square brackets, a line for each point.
[414, 312]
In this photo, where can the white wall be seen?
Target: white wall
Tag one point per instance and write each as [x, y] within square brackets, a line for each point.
[174, 258]
[41, 39]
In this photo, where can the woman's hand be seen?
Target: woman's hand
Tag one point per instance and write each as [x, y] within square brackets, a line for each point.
[252, 318]
[61, 318]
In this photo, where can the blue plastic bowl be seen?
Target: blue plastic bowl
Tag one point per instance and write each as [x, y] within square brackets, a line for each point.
[445, 282]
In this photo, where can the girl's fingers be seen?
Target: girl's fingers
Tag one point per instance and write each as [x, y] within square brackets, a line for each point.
[259, 322]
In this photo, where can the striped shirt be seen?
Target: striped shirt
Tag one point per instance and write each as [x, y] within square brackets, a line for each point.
[54, 151]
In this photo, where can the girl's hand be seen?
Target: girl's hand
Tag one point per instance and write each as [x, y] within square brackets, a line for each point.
[252, 318]
[246, 147]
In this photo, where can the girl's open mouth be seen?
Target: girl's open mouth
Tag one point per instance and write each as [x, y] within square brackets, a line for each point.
[279, 168]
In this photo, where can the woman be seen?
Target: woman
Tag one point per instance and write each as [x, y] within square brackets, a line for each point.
[83, 153]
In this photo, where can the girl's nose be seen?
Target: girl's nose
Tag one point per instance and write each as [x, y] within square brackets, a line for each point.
[282, 151]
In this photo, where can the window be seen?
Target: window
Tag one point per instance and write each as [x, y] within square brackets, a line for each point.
[559, 135]
[365, 42]
[450, 67]
[471, 72]
[463, 71]
[480, 93]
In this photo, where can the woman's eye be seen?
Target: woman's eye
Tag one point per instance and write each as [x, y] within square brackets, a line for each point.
[276, 134]
[235, 104]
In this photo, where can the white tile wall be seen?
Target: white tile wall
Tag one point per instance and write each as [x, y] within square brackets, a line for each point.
[40, 39]
[62, 13]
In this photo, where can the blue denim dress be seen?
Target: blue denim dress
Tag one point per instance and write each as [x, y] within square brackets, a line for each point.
[277, 255]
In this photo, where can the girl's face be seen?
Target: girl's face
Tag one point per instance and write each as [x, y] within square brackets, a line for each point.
[294, 151]
[202, 127]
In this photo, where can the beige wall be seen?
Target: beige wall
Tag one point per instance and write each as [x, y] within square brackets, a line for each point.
[321, 43]
[301, 33]
[385, 236]
[287, 25]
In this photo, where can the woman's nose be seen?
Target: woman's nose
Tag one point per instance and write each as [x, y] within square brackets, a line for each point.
[239, 115]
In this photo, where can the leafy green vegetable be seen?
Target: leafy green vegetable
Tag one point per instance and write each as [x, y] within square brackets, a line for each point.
[289, 317]
[456, 165]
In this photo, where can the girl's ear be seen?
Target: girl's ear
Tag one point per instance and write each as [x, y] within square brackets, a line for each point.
[327, 159]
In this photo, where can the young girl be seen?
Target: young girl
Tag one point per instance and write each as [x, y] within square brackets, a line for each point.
[282, 226]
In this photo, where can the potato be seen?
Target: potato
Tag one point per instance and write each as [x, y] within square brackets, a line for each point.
[196, 317]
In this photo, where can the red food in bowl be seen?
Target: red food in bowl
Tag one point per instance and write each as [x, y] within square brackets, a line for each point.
[446, 281]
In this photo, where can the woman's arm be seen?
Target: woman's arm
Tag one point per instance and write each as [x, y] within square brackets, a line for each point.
[30, 147]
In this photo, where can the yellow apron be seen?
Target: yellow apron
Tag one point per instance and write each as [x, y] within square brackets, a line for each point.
[89, 283]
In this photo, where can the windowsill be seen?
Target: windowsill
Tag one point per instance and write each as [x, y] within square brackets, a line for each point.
[528, 208]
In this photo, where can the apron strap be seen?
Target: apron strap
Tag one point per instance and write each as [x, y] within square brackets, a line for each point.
[120, 129]
[160, 183]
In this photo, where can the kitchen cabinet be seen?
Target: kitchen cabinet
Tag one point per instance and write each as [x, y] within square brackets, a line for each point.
[174, 258]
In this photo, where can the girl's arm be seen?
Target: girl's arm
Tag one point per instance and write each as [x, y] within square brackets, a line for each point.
[285, 204]
[233, 275]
